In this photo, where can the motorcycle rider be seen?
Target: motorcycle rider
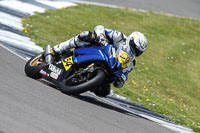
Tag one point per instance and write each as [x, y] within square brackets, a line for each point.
[135, 44]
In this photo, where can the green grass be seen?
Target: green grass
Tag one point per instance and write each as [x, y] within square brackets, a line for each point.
[166, 78]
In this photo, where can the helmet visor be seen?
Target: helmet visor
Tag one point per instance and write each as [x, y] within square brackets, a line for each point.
[134, 47]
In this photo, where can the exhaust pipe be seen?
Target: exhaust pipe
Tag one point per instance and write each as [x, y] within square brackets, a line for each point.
[48, 55]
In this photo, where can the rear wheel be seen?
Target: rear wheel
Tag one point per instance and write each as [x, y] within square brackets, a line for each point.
[33, 67]
[77, 86]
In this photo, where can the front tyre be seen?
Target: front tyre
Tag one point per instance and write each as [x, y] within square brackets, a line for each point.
[97, 79]
[103, 90]
[33, 67]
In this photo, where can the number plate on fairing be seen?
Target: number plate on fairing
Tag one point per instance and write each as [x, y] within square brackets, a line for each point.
[67, 63]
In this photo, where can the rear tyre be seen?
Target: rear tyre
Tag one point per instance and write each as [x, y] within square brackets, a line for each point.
[33, 67]
[95, 81]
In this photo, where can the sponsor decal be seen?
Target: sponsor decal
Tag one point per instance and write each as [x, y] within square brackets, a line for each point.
[67, 63]
[55, 69]
[43, 72]
[54, 75]
[123, 58]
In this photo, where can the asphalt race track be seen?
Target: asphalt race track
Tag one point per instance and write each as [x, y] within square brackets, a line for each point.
[189, 8]
[30, 106]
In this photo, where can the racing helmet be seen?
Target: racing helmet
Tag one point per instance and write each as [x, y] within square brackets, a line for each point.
[138, 42]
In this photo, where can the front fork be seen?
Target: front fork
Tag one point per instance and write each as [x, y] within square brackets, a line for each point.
[81, 72]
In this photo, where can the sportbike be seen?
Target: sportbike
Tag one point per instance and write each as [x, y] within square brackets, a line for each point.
[81, 70]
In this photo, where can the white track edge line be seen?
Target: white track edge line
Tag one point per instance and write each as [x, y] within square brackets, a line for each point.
[11, 51]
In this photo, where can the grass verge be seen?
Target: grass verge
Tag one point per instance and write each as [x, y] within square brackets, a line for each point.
[166, 77]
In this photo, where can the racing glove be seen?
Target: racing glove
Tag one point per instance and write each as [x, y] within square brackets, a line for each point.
[119, 83]
[121, 78]
[101, 39]
[100, 36]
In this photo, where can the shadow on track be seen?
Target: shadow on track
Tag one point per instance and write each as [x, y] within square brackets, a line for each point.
[94, 100]
[97, 102]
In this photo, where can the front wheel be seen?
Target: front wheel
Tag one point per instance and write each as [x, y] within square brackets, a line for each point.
[96, 80]
[33, 67]
[103, 90]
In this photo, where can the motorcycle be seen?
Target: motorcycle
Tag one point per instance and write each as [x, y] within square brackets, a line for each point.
[84, 69]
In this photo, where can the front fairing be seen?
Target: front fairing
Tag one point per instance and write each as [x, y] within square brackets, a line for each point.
[97, 53]
[107, 54]
[83, 55]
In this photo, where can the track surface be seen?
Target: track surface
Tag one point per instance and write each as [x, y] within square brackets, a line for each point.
[29, 106]
[189, 8]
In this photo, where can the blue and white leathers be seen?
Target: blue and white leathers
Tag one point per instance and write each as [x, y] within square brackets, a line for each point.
[114, 37]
